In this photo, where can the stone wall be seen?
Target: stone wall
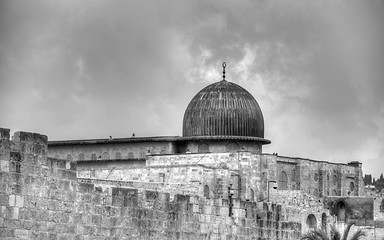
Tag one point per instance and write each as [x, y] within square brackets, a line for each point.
[378, 204]
[300, 206]
[109, 150]
[41, 198]
[319, 178]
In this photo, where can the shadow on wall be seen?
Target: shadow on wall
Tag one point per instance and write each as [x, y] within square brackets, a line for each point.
[351, 209]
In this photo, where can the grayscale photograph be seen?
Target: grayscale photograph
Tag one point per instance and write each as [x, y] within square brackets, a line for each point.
[191, 120]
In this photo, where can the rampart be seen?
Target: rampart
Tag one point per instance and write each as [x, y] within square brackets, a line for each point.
[41, 198]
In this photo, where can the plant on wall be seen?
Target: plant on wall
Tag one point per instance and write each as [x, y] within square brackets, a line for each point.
[320, 234]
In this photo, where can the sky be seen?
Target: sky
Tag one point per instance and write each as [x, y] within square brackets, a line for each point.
[81, 69]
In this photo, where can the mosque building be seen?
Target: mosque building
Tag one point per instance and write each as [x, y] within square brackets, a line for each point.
[220, 155]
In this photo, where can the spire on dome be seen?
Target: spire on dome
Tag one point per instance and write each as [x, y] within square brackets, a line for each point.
[224, 65]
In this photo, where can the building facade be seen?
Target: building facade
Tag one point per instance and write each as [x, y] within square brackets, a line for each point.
[213, 182]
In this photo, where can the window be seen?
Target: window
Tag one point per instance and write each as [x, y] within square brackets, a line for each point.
[105, 156]
[283, 181]
[162, 177]
[335, 180]
[352, 186]
[252, 195]
[264, 181]
[316, 176]
[340, 209]
[232, 147]
[69, 157]
[311, 221]
[118, 155]
[93, 156]
[81, 156]
[316, 192]
[203, 148]
[206, 191]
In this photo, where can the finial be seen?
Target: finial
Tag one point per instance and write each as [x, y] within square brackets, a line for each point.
[224, 65]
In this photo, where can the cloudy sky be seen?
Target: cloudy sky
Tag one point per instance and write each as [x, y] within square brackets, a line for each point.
[90, 69]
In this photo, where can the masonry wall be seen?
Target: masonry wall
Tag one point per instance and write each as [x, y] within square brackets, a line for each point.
[300, 205]
[41, 198]
[319, 178]
[112, 150]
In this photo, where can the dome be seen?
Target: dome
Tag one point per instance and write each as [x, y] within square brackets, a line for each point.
[223, 109]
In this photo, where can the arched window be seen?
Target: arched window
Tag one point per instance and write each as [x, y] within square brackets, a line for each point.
[335, 180]
[316, 176]
[203, 148]
[105, 156]
[81, 157]
[69, 157]
[283, 181]
[324, 221]
[264, 181]
[340, 209]
[232, 147]
[252, 197]
[206, 191]
[316, 192]
[93, 156]
[130, 155]
[311, 221]
[352, 186]
[118, 155]
[334, 193]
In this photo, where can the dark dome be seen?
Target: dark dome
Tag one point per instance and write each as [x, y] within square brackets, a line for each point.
[223, 109]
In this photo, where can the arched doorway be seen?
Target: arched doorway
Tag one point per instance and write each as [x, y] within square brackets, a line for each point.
[324, 222]
[206, 191]
[311, 221]
[340, 211]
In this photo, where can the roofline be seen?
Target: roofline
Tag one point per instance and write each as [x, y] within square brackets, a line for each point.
[225, 137]
[312, 160]
[113, 140]
[154, 139]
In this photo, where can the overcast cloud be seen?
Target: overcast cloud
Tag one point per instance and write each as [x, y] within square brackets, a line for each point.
[91, 69]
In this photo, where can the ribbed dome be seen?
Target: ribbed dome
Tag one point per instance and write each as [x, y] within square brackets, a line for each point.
[223, 109]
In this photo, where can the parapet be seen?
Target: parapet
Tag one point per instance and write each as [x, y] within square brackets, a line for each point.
[30, 137]
[4, 133]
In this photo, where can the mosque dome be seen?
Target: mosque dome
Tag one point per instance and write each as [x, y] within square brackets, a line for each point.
[223, 109]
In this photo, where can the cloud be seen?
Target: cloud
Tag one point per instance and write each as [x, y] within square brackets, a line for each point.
[85, 69]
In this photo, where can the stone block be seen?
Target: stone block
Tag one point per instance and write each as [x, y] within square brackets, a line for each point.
[19, 202]
[12, 200]
[5, 233]
[4, 200]
[4, 165]
[195, 208]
